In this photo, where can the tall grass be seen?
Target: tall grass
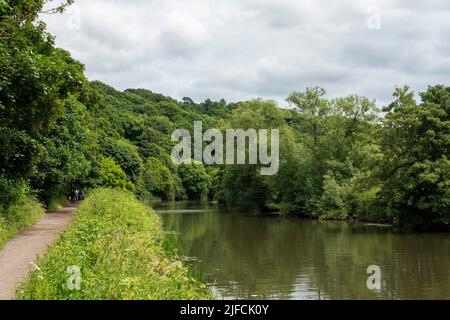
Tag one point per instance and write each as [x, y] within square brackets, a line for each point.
[57, 203]
[18, 209]
[122, 251]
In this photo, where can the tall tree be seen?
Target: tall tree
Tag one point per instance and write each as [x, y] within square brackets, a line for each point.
[416, 165]
[36, 78]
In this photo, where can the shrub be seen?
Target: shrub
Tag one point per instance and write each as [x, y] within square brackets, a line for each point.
[126, 156]
[57, 203]
[112, 176]
[195, 180]
[158, 180]
[18, 209]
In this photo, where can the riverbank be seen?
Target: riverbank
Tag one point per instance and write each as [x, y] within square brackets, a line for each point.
[114, 249]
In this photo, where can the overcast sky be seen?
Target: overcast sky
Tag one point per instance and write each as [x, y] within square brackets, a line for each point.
[241, 49]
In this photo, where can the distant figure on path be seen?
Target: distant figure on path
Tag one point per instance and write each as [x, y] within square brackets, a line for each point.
[72, 196]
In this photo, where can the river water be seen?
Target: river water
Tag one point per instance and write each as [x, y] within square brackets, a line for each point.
[243, 256]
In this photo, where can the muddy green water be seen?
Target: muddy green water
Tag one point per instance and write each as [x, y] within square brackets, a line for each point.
[249, 257]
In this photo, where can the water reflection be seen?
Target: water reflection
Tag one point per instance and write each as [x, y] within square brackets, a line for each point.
[249, 257]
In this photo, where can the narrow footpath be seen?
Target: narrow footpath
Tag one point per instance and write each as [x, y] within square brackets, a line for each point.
[19, 255]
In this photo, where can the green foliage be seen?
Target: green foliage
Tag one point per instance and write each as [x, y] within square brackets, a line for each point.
[195, 180]
[112, 176]
[57, 202]
[18, 209]
[36, 76]
[19, 153]
[218, 109]
[333, 202]
[67, 154]
[215, 177]
[335, 143]
[40, 121]
[349, 198]
[126, 156]
[256, 192]
[415, 165]
[122, 252]
[158, 180]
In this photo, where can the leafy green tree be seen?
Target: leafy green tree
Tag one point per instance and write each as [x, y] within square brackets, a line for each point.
[158, 180]
[244, 189]
[19, 153]
[112, 176]
[335, 141]
[126, 155]
[415, 165]
[36, 76]
[313, 108]
[215, 174]
[332, 202]
[36, 80]
[195, 180]
[67, 154]
[256, 192]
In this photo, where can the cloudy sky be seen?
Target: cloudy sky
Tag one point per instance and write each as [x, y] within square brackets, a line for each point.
[241, 49]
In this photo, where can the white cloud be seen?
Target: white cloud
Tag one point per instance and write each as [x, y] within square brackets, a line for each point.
[240, 49]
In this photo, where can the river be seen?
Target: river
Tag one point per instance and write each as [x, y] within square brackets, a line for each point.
[243, 256]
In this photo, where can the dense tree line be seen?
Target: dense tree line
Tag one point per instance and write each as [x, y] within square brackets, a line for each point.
[344, 159]
[339, 158]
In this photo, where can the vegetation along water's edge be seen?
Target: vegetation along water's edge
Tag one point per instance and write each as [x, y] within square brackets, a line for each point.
[114, 249]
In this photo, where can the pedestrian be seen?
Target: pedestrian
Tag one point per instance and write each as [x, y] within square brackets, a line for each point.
[72, 196]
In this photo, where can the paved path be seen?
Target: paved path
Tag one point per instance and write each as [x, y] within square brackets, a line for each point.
[19, 255]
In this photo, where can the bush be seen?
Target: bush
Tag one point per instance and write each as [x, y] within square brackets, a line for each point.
[57, 203]
[18, 209]
[120, 247]
[112, 176]
[333, 204]
[19, 152]
[195, 180]
[126, 156]
[157, 180]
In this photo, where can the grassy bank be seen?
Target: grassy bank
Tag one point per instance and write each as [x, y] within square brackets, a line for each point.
[57, 203]
[18, 209]
[121, 249]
